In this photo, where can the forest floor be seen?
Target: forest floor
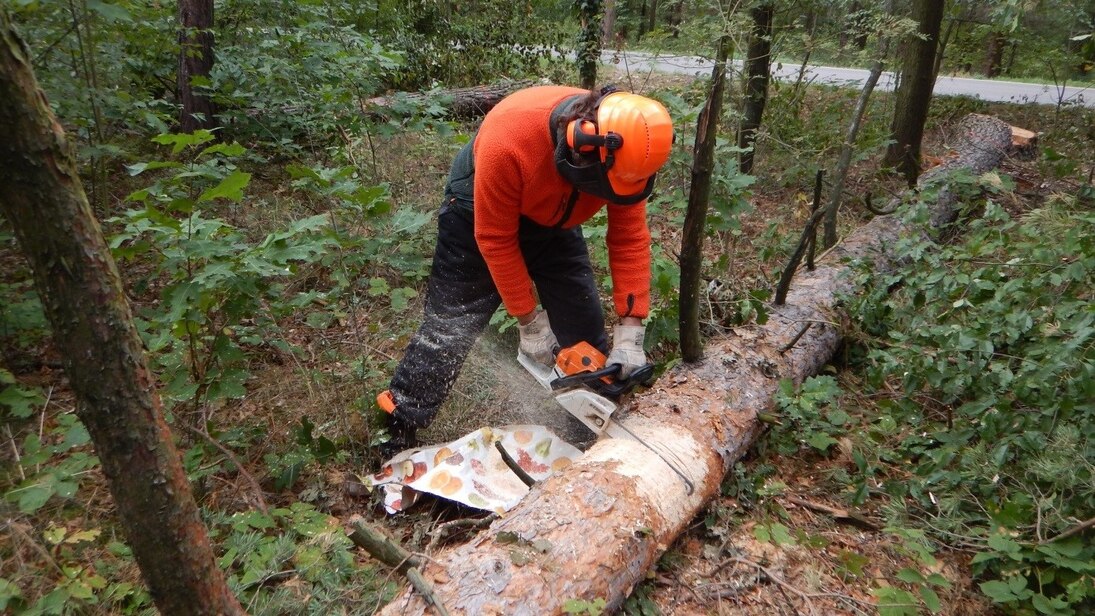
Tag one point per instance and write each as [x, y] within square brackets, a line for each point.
[790, 546]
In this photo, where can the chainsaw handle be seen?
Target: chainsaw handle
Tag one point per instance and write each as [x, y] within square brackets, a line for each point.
[643, 375]
[582, 378]
[613, 388]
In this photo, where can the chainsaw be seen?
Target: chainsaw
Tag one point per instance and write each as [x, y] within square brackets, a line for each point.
[589, 390]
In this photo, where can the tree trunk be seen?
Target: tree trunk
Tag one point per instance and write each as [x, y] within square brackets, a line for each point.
[608, 25]
[758, 72]
[652, 16]
[589, 42]
[462, 103]
[855, 28]
[796, 96]
[844, 162]
[695, 218]
[915, 90]
[82, 296]
[994, 53]
[594, 529]
[676, 16]
[195, 60]
[941, 51]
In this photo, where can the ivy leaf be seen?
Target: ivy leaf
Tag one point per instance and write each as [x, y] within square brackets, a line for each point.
[20, 400]
[895, 601]
[181, 141]
[110, 12]
[910, 575]
[821, 441]
[931, 599]
[8, 593]
[34, 497]
[230, 188]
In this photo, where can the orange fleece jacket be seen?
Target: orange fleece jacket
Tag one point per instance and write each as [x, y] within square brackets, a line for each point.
[515, 176]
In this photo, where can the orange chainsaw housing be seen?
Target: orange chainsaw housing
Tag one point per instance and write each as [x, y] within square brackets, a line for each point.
[582, 357]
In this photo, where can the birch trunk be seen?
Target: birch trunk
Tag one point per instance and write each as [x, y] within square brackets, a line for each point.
[593, 530]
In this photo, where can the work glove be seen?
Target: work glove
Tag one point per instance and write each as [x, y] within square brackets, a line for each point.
[537, 339]
[627, 348]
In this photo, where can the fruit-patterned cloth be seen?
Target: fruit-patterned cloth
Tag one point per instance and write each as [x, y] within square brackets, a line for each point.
[470, 470]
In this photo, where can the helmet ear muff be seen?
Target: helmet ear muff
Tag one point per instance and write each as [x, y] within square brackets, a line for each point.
[582, 136]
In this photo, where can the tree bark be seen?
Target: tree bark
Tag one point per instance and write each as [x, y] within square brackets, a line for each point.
[462, 103]
[589, 42]
[758, 71]
[915, 90]
[855, 27]
[994, 54]
[101, 351]
[844, 161]
[608, 25]
[941, 51]
[195, 60]
[593, 530]
[652, 16]
[676, 16]
[695, 218]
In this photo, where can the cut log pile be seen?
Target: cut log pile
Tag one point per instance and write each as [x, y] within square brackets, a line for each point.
[593, 530]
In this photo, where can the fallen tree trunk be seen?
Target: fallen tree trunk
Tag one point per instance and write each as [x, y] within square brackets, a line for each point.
[461, 103]
[593, 530]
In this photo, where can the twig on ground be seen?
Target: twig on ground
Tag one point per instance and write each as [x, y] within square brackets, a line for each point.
[388, 551]
[232, 457]
[15, 451]
[1079, 528]
[790, 345]
[840, 515]
[806, 597]
[444, 530]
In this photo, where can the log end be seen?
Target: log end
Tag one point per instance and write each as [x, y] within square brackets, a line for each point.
[1024, 144]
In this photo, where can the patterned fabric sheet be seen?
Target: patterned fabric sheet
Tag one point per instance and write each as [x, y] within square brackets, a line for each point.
[470, 470]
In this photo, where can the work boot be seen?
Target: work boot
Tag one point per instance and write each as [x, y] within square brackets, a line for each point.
[401, 435]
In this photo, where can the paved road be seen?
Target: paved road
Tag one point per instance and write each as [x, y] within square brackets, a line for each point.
[997, 91]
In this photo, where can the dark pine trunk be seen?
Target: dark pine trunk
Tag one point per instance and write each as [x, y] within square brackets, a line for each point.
[994, 54]
[81, 292]
[195, 60]
[758, 73]
[914, 92]
[652, 16]
[675, 17]
[703, 164]
[855, 28]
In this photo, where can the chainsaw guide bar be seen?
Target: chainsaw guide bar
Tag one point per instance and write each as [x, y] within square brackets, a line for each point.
[581, 377]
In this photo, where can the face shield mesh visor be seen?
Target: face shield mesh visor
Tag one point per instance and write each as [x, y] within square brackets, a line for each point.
[591, 176]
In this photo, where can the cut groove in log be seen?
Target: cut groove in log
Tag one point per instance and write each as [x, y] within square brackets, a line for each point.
[610, 515]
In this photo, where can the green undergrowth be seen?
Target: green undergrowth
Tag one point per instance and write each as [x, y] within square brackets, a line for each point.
[973, 426]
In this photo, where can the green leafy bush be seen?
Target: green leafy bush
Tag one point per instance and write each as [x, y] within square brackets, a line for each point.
[218, 290]
[992, 342]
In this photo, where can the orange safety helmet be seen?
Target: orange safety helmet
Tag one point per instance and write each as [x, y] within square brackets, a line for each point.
[632, 136]
[645, 130]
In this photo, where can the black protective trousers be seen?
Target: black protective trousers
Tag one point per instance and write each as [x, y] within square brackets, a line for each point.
[461, 298]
